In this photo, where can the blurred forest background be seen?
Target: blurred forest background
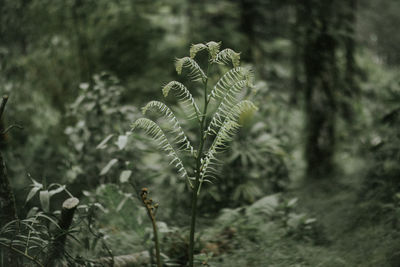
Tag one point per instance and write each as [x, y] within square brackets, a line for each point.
[312, 178]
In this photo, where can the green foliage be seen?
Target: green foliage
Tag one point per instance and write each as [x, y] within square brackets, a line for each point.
[272, 211]
[380, 145]
[114, 216]
[105, 219]
[97, 112]
[45, 194]
[224, 120]
[32, 238]
[254, 165]
[75, 129]
[381, 185]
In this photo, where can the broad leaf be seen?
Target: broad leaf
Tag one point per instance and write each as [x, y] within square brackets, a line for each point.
[124, 177]
[44, 196]
[122, 141]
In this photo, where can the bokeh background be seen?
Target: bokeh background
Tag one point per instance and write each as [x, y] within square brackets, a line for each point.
[322, 152]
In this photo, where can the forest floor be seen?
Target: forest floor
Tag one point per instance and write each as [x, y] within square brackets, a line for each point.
[343, 231]
[352, 235]
[354, 239]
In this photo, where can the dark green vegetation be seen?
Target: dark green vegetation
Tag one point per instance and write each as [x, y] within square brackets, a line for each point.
[312, 178]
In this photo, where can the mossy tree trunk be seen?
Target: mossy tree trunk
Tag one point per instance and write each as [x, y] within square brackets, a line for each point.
[247, 24]
[8, 213]
[7, 200]
[82, 44]
[296, 52]
[321, 78]
[350, 85]
[8, 210]
[350, 44]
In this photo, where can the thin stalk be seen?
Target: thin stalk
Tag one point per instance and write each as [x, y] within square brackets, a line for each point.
[151, 208]
[198, 166]
[3, 104]
[156, 243]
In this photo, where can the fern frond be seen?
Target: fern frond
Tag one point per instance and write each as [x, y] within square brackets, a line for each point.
[181, 138]
[154, 131]
[227, 55]
[183, 94]
[240, 108]
[225, 135]
[226, 105]
[195, 71]
[195, 48]
[230, 78]
[213, 49]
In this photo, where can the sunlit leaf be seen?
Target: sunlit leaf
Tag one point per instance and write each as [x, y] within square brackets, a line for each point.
[32, 193]
[122, 141]
[103, 143]
[44, 196]
[124, 177]
[108, 166]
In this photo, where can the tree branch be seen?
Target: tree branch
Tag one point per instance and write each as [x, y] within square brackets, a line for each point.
[3, 104]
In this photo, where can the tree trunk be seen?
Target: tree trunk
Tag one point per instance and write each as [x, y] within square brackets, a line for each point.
[350, 86]
[351, 7]
[296, 53]
[247, 10]
[321, 77]
[84, 61]
[7, 200]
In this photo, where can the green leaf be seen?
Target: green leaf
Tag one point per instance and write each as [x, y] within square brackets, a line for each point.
[108, 166]
[213, 49]
[35, 183]
[224, 135]
[33, 211]
[229, 79]
[122, 203]
[225, 107]
[266, 205]
[183, 95]
[195, 48]
[155, 132]
[42, 215]
[32, 193]
[124, 177]
[103, 143]
[195, 72]
[58, 190]
[227, 55]
[292, 202]
[44, 197]
[180, 136]
[122, 141]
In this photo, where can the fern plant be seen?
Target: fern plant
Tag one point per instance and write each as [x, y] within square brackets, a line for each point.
[215, 129]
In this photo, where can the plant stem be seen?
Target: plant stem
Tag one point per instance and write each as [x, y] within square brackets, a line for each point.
[193, 222]
[155, 232]
[198, 166]
[150, 207]
[3, 105]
